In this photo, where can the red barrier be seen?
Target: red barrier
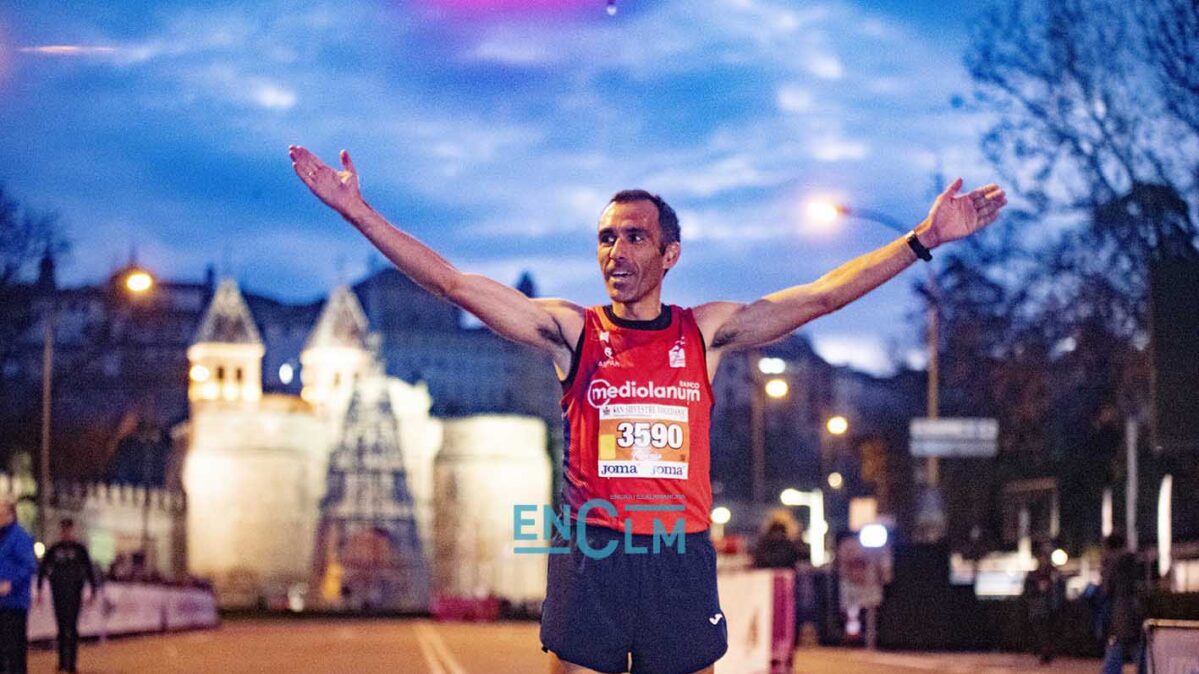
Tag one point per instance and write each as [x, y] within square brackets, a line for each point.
[469, 609]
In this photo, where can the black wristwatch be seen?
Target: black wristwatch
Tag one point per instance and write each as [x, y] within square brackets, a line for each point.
[918, 248]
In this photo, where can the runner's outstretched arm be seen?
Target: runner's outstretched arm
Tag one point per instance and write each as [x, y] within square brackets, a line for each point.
[549, 324]
[730, 325]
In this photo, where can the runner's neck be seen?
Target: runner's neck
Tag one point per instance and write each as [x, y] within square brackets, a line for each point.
[662, 320]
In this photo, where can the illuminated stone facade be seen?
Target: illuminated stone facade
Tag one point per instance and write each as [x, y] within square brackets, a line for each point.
[256, 467]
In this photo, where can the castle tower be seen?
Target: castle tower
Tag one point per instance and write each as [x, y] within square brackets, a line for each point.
[336, 354]
[225, 358]
[369, 554]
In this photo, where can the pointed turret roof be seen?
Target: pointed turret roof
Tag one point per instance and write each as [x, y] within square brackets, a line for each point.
[526, 285]
[228, 319]
[342, 322]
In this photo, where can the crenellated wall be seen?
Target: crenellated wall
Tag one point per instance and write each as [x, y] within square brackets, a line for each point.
[111, 519]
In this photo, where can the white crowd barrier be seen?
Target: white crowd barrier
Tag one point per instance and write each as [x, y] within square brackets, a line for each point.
[760, 608]
[1172, 646]
[130, 608]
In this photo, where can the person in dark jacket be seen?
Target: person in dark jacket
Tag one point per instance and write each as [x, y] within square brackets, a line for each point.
[68, 566]
[779, 547]
[1125, 606]
[1044, 596]
[17, 566]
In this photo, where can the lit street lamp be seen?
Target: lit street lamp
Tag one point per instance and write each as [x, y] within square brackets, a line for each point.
[837, 425]
[135, 282]
[138, 281]
[777, 388]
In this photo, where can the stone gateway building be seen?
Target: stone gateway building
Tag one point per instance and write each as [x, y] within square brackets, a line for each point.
[326, 498]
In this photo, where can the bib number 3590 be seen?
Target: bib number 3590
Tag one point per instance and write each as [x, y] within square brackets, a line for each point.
[646, 434]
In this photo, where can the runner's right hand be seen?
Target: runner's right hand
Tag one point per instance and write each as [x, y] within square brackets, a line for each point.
[338, 189]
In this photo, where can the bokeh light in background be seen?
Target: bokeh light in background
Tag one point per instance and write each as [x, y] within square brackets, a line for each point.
[791, 497]
[139, 281]
[822, 211]
[721, 515]
[772, 365]
[777, 388]
[873, 536]
[837, 425]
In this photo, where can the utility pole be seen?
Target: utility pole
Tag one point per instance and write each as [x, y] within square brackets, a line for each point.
[43, 483]
[757, 430]
[1130, 489]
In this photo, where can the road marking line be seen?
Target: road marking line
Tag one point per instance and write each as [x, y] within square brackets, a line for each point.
[426, 651]
[439, 647]
[909, 661]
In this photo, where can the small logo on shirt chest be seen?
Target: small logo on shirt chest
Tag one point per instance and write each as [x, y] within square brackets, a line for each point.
[678, 355]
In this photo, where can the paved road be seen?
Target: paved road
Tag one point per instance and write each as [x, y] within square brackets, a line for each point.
[423, 647]
[845, 661]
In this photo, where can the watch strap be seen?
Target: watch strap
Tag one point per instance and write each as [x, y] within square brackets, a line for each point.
[918, 248]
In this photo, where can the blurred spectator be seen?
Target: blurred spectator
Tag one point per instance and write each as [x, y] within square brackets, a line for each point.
[132, 567]
[1044, 596]
[779, 546]
[1125, 607]
[68, 566]
[17, 566]
[121, 567]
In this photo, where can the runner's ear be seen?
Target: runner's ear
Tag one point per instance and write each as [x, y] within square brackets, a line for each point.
[670, 256]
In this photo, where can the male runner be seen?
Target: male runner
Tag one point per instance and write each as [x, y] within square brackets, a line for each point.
[636, 378]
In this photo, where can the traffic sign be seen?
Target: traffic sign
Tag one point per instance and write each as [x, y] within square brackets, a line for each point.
[954, 437]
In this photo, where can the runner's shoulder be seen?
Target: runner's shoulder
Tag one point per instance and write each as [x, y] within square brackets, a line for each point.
[710, 316]
[568, 316]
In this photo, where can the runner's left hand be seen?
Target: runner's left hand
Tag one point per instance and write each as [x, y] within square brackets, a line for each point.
[955, 216]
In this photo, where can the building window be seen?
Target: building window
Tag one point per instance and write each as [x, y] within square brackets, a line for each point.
[237, 375]
[220, 373]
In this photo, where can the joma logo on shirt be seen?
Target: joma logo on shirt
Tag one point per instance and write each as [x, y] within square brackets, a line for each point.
[618, 470]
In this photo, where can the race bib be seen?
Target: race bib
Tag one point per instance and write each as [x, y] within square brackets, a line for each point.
[644, 440]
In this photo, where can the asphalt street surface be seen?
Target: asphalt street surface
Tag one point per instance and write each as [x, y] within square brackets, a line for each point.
[425, 647]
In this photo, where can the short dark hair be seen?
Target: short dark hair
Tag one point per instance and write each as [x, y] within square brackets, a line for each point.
[668, 220]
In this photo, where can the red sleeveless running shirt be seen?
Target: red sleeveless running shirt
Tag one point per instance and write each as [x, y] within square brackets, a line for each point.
[637, 410]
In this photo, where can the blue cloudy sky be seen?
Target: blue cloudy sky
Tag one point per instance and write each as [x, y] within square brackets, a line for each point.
[494, 130]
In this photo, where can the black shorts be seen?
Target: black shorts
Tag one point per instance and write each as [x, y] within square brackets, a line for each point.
[660, 608]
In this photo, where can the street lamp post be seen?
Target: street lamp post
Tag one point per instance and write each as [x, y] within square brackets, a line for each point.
[135, 282]
[43, 487]
[832, 449]
[762, 388]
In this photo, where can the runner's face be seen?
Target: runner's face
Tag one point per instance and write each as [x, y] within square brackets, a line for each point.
[630, 250]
